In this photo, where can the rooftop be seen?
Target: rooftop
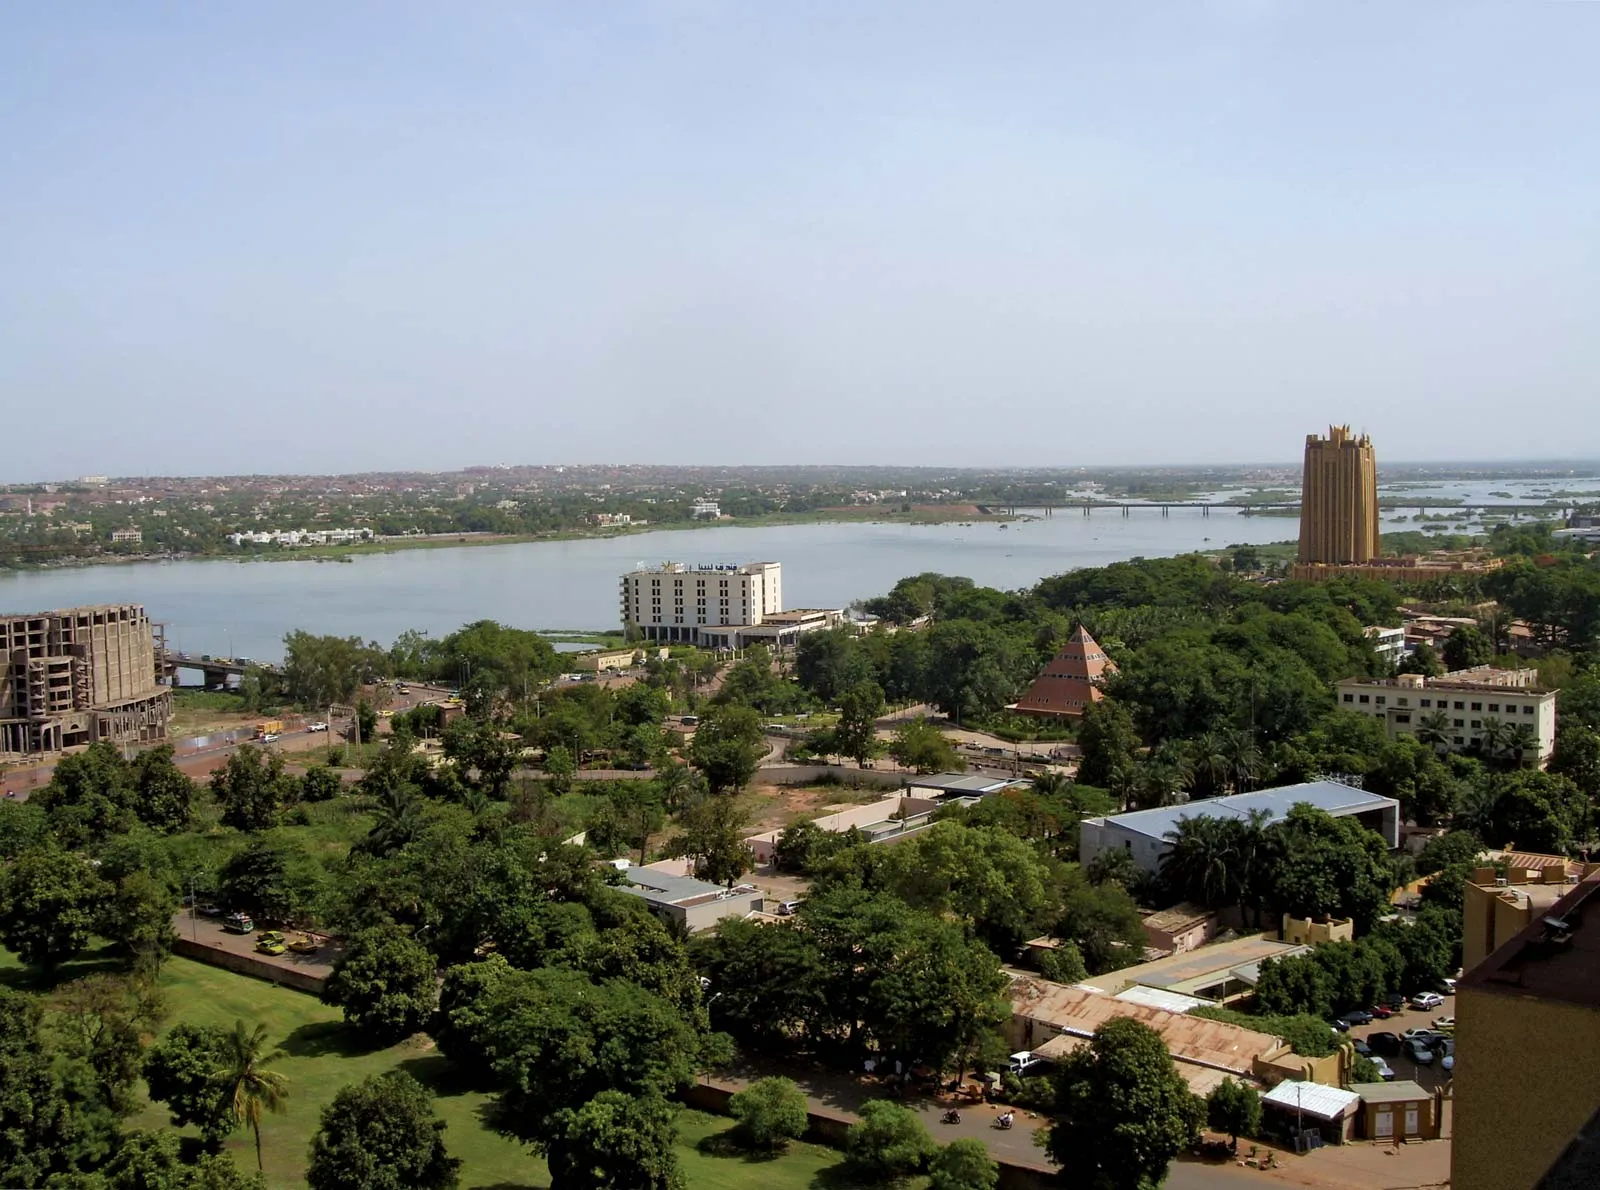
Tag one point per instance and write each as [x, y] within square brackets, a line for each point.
[1554, 958]
[1315, 1099]
[1195, 966]
[662, 888]
[1333, 796]
[1180, 917]
[1400, 1091]
[1479, 677]
[1079, 1011]
[960, 783]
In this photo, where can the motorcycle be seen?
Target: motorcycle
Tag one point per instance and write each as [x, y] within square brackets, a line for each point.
[951, 1117]
[1004, 1122]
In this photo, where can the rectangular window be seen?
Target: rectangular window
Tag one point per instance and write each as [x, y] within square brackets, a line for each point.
[1460, 723]
[1461, 706]
[1427, 702]
[1382, 698]
[1404, 702]
[1477, 706]
[1494, 708]
[1527, 710]
[1459, 740]
[1402, 718]
[1349, 698]
[1364, 698]
[1477, 723]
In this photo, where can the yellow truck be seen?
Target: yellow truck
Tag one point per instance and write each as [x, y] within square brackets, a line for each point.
[269, 728]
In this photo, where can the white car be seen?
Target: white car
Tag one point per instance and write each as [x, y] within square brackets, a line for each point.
[268, 736]
[1021, 1062]
[1385, 1071]
[316, 727]
[1427, 1001]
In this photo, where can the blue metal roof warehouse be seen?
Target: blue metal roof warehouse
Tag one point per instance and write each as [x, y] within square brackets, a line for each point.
[1147, 834]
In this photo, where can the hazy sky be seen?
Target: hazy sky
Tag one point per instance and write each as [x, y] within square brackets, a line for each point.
[314, 237]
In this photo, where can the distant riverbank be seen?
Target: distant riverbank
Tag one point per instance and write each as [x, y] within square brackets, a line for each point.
[923, 514]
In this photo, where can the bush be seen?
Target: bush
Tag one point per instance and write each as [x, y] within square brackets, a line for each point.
[963, 1165]
[1064, 964]
[889, 1141]
[385, 982]
[771, 1112]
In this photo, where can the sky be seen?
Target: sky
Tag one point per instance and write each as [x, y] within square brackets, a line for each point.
[306, 237]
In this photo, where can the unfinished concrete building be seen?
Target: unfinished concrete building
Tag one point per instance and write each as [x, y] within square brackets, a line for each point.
[76, 676]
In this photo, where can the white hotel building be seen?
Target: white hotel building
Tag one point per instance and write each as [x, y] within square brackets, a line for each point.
[715, 605]
[1466, 699]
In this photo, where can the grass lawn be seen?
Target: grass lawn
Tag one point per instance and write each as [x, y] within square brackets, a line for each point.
[319, 1057]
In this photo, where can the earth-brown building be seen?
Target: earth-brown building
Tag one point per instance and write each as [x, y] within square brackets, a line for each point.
[1070, 684]
[1338, 500]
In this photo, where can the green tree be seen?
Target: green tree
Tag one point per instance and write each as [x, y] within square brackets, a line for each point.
[712, 834]
[250, 788]
[1102, 922]
[381, 1134]
[727, 747]
[181, 1071]
[384, 982]
[990, 879]
[271, 877]
[1536, 811]
[963, 1165]
[888, 1142]
[616, 1141]
[771, 1112]
[321, 670]
[1467, 647]
[1063, 964]
[856, 734]
[482, 754]
[919, 745]
[1298, 983]
[1424, 659]
[1234, 1108]
[1108, 740]
[162, 792]
[248, 1086]
[37, 1124]
[320, 784]
[560, 767]
[1330, 867]
[50, 900]
[138, 917]
[1123, 1112]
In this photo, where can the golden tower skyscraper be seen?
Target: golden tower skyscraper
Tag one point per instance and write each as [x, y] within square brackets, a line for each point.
[1339, 499]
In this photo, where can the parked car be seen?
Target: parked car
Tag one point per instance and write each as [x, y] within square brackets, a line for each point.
[1419, 1053]
[268, 736]
[1447, 1055]
[1427, 1001]
[1449, 986]
[1384, 1043]
[319, 726]
[1385, 1071]
[788, 908]
[1424, 1036]
[208, 909]
[1339, 1026]
[238, 923]
[1357, 1016]
[272, 946]
[1382, 1011]
[1445, 1024]
[1361, 1047]
[305, 944]
[272, 936]
[1021, 1062]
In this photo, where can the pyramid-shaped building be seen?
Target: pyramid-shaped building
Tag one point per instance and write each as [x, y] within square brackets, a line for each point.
[1072, 680]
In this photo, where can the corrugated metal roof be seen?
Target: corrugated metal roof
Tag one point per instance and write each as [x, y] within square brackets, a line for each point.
[1161, 998]
[1080, 1012]
[1400, 1091]
[1315, 1099]
[1332, 796]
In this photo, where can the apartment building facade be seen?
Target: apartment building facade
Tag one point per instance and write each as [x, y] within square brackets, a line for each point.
[674, 601]
[1466, 705]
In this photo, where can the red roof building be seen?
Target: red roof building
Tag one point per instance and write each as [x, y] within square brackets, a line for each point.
[1072, 680]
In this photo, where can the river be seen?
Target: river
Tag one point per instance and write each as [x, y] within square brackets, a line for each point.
[232, 608]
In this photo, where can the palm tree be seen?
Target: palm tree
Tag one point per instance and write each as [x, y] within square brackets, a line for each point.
[1433, 729]
[1521, 743]
[1244, 759]
[250, 1088]
[1209, 763]
[396, 820]
[1201, 864]
[1254, 858]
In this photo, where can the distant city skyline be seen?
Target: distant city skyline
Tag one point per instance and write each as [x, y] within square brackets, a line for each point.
[304, 239]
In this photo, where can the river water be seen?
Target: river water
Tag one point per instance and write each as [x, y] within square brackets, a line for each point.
[232, 608]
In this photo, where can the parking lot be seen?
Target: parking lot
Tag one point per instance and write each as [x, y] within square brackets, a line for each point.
[1429, 1077]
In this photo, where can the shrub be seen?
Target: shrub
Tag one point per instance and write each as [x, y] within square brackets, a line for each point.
[771, 1112]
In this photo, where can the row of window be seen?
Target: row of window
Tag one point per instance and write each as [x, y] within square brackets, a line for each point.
[1444, 704]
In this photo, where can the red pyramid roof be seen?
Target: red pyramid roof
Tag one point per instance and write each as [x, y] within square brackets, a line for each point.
[1071, 682]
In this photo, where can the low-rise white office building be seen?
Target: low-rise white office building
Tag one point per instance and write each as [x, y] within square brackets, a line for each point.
[1465, 703]
[717, 605]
